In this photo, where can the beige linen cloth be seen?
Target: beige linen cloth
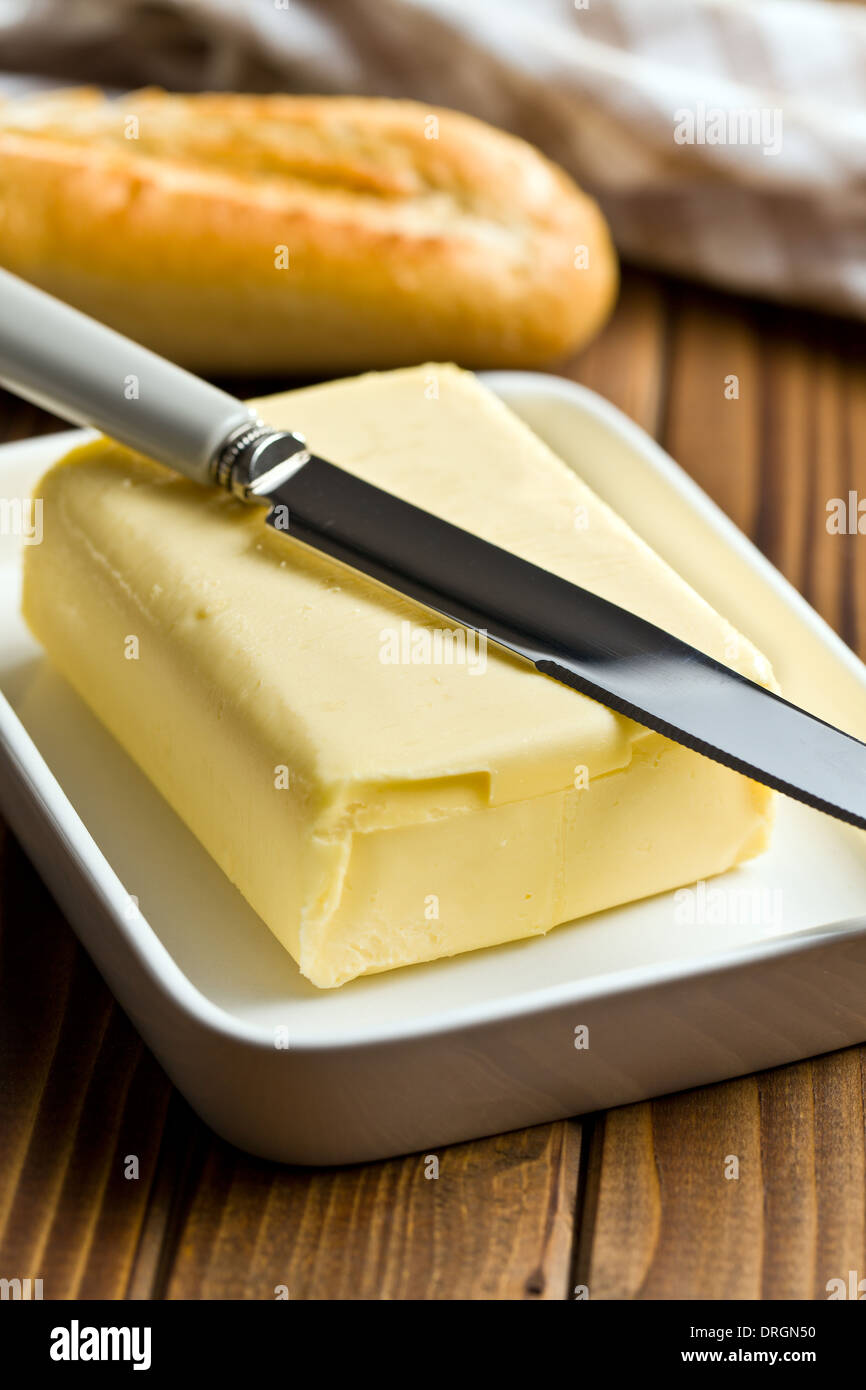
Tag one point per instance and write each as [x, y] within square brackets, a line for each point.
[725, 139]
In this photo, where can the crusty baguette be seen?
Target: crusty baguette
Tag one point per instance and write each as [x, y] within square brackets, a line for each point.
[410, 233]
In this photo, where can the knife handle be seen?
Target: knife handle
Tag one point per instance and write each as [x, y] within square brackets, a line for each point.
[75, 367]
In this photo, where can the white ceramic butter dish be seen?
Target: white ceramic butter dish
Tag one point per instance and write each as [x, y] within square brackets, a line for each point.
[761, 966]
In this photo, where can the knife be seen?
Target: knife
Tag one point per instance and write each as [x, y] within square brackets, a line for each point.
[75, 367]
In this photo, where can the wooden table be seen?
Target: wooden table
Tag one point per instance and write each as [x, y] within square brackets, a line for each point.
[630, 1203]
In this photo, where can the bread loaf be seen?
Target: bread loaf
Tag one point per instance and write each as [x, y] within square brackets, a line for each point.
[301, 234]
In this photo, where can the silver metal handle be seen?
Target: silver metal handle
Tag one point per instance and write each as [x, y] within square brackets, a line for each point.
[68, 363]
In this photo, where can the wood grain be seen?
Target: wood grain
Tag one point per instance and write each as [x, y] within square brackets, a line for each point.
[668, 1223]
[633, 1204]
[673, 1218]
[665, 1221]
[628, 362]
[81, 1095]
[496, 1223]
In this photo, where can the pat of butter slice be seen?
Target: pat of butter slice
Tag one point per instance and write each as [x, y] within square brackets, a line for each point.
[380, 794]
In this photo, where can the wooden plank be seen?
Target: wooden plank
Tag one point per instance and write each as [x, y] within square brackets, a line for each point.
[80, 1094]
[715, 401]
[671, 1219]
[668, 1223]
[627, 362]
[791, 441]
[496, 1223]
[814, 1138]
[665, 1219]
[20, 420]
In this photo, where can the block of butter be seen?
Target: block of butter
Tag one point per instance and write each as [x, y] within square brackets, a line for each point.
[381, 790]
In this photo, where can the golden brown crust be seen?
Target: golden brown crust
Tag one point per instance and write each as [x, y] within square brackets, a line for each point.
[410, 232]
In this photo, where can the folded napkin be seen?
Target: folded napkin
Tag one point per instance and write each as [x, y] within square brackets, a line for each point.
[725, 139]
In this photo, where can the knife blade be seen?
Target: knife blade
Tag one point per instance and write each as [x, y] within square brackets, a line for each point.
[59, 358]
[574, 636]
